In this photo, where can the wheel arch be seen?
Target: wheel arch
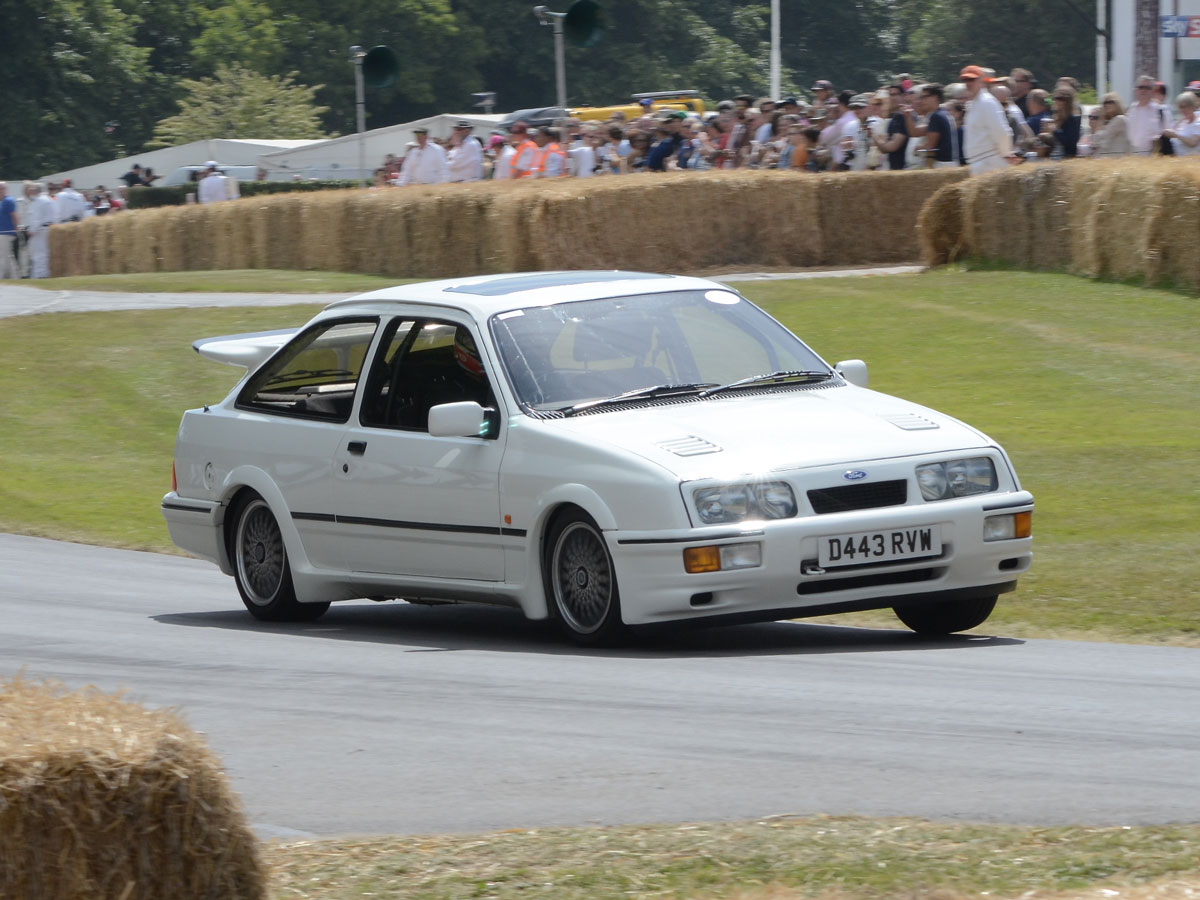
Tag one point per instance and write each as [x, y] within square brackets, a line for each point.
[241, 482]
[553, 504]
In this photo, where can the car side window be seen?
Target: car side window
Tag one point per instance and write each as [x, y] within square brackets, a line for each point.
[433, 362]
[315, 375]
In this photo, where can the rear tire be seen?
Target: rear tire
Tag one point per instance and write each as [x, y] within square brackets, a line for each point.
[946, 617]
[581, 581]
[260, 565]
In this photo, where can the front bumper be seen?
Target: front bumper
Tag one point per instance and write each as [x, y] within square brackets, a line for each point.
[790, 584]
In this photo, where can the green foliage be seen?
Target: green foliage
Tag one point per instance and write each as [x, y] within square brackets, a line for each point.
[148, 197]
[71, 66]
[176, 194]
[252, 188]
[238, 33]
[240, 103]
[67, 67]
[939, 37]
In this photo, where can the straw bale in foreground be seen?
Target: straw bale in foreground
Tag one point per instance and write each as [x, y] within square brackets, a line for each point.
[101, 799]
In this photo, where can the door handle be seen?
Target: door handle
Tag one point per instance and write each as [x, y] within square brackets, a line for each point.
[358, 448]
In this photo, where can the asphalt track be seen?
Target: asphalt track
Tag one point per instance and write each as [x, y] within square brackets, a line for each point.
[17, 298]
[400, 719]
[391, 718]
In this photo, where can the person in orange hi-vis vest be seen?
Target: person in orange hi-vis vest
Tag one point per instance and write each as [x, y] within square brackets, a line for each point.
[550, 160]
[522, 161]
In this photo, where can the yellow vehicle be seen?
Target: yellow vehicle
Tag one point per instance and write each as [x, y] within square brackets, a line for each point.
[688, 101]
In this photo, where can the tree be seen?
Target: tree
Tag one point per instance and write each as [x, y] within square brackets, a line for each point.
[69, 67]
[238, 33]
[951, 35]
[239, 103]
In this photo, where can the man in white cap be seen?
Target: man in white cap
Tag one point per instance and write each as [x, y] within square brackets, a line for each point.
[42, 214]
[987, 137]
[424, 163]
[465, 161]
[211, 188]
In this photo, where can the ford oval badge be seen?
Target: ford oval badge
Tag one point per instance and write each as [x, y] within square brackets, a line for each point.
[854, 474]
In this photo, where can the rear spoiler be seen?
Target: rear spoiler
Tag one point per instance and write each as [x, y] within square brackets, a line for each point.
[245, 350]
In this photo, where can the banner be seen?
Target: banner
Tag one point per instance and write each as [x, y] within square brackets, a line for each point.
[1180, 26]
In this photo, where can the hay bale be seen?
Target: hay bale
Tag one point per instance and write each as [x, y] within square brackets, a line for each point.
[1123, 232]
[1091, 191]
[686, 221]
[1176, 231]
[869, 217]
[101, 799]
[1046, 218]
[940, 226]
[1127, 218]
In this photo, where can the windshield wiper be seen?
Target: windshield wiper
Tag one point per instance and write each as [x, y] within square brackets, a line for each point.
[769, 377]
[656, 390]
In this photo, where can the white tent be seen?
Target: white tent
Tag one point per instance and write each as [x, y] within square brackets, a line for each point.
[339, 157]
[165, 161]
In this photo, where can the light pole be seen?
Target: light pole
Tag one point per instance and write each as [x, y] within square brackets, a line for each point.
[360, 103]
[776, 80]
[555, 19]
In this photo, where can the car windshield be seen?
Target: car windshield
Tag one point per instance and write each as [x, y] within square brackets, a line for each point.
[567, 355]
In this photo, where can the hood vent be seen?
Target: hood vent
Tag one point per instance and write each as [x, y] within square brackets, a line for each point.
[912, 422]
[689, 446]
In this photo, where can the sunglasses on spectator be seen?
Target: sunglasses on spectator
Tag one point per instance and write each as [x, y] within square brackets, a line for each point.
[1144, 87]
[1093, 116]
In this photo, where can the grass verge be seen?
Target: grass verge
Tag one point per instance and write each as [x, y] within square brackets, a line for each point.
[1094, 389]
[778, 858]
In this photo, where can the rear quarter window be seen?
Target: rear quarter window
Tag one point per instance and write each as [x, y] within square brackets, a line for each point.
[315, 375]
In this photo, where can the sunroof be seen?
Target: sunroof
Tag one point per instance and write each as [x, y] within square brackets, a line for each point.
[499, 286]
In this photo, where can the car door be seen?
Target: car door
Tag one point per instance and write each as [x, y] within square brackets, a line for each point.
[408, 503]
[293, 412]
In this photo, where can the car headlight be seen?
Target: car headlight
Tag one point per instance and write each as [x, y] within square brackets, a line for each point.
[956, 478]
[738, 502]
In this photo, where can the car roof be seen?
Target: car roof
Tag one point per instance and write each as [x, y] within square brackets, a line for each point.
[485, 295]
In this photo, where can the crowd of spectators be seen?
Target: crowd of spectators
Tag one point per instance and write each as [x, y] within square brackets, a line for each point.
[28, 212]
[984, 121]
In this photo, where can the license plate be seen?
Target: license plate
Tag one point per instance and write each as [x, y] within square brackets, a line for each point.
[879, 546]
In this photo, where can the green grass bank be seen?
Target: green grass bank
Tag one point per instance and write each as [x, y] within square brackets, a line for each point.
[1093, 388]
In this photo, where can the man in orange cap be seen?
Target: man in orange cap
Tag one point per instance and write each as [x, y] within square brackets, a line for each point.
[987, 138]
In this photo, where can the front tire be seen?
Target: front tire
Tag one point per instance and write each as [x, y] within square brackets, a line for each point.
[946, 617]
[261, 568]
[581, 581]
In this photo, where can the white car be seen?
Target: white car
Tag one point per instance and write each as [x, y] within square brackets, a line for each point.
[609, 449]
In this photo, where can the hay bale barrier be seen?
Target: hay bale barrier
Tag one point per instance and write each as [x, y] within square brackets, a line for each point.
[674, 222]
[1135, 219]
[102, 799]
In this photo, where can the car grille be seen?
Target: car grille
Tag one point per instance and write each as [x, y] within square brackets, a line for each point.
[858, 496]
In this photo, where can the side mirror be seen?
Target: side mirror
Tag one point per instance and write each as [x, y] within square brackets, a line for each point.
[853, 370]
[464, 419]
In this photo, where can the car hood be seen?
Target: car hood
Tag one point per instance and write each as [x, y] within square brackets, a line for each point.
[733, 436]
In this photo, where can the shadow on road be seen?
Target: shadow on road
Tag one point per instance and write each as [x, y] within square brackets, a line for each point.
[421, 629]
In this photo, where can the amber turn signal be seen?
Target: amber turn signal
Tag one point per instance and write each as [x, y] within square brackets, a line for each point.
[702, 559]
